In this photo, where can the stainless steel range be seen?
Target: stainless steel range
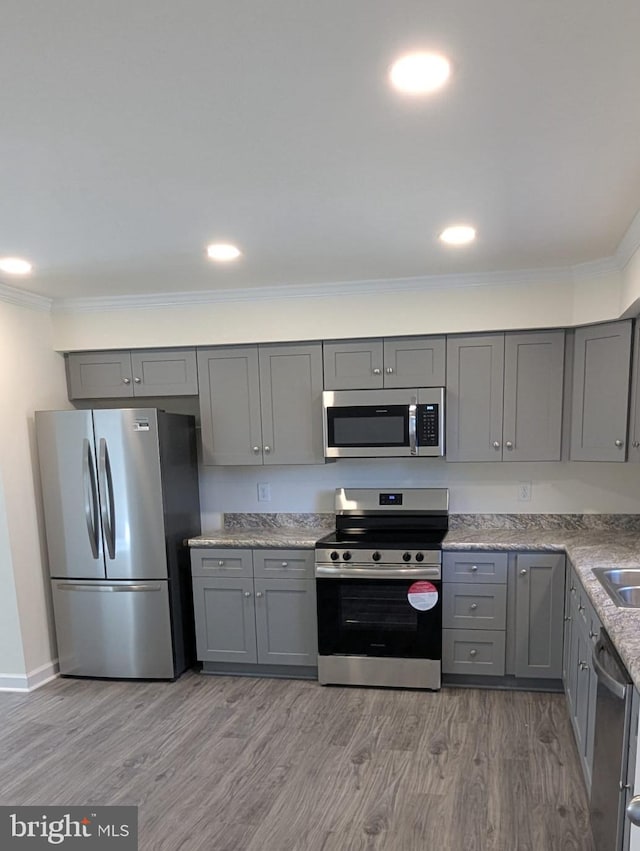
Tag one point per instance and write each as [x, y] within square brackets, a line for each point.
[378, 580]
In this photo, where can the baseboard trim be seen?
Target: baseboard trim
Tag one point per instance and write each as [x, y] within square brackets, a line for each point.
[31, 681]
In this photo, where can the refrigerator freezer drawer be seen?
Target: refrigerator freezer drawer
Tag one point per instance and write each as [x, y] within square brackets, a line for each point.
[113, 629]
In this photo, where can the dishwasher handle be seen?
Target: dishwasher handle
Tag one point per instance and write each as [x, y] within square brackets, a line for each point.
[619, 689]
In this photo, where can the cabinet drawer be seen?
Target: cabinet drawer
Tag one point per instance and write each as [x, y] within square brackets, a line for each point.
[474, 605]
[221, 562]
[474, 567]
[284, 564]
[469, 651]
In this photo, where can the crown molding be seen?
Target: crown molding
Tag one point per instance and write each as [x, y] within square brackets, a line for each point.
[427, 283]
[24, 298]
[595, 269]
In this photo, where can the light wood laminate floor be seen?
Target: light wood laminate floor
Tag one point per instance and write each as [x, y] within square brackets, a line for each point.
[239, 764]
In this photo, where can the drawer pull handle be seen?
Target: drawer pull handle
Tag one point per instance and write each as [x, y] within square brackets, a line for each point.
[473, 568]
[473, 607]
[473, 652]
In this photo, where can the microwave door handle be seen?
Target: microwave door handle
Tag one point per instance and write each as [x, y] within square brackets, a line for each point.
[413, 443]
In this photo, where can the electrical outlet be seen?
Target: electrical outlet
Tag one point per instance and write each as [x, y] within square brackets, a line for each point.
[524, 491]
[264, 492]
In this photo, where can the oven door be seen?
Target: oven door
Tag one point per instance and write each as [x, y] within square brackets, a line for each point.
[399, 618]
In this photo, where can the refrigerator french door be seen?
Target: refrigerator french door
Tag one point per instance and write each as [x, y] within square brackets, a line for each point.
[120, 496]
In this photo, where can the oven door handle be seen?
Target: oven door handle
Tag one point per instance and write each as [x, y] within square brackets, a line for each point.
[331, 572]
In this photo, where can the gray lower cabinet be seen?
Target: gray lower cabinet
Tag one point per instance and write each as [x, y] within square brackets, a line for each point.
[128, 374]
[582, 628]
[600, 396]
[504, 396]
[539, 615]
[255, 607]
[261, 404]
[474, 612]
[384, 362]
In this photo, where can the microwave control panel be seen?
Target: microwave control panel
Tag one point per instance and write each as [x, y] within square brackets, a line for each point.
[428, 430]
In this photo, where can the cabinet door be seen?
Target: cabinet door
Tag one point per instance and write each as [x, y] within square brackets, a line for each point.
[353, 364]
[230, 405]
[286, 621]
[414, 361]
[291, 403]
[224, 619]
[99, 375]
[539, 615]
[600, 392]
[475, 371]
[166, 372]
[634, 425]
[533, 379]
[566, 638]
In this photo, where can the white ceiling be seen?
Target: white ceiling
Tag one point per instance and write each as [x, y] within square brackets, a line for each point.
[134, 132]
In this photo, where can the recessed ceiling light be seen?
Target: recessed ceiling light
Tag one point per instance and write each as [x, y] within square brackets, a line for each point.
[458, 235]
[420, 73]
[15, 266]
[222, 251]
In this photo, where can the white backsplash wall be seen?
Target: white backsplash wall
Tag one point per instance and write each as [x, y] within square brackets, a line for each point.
[474, 488]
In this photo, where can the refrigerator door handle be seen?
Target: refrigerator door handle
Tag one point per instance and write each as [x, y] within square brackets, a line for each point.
[90, 497]
[93, 586]
[108, 508]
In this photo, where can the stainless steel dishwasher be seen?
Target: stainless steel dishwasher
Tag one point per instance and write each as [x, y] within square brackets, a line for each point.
[613, 759]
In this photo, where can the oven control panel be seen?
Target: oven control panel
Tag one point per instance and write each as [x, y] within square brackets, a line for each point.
[330, 555]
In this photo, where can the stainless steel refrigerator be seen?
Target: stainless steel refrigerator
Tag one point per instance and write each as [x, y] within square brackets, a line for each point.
[120, 491]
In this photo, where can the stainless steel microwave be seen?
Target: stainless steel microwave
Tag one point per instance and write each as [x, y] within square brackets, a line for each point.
[383, 423]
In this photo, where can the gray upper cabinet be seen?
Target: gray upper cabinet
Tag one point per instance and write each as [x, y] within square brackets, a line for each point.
[390, 362]
[475, 376]
[261, 404]
[504, 396]
[634, 424]
[125, 374]
[540, 593]
[600, 392]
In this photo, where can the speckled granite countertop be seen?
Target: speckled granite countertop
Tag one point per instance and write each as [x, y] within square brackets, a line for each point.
[588, 540]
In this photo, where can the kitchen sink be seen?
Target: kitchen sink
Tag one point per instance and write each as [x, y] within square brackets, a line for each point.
[621, 584]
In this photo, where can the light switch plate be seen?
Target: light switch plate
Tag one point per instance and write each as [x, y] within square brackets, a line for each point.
[524, 491]
[264, 492]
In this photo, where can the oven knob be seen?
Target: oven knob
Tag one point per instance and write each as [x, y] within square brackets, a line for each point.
[334, 556]
[419, 556]
[406, 557]
[346, 556]
[376, 556]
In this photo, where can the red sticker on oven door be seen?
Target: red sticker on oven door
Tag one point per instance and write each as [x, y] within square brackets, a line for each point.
[422, 596]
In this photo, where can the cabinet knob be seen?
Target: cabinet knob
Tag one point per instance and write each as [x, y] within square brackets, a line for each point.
[636, 444]
[523, 572]
[247, 593]
[509, 444]
[619, 443]
[256, 449]
[259, 594]
[285, 564]
[592, 634]
[377, 371]
[137, 380]
[633, 810]
[267, 449]
[389, 370]
[473, 607]
[473, 652]
[496, 444]
[581, 608]
[126, 381]
[568, 618]
[583, 666]
[473, 568]
[220, 562]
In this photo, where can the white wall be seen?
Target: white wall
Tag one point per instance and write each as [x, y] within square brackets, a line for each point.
[474, 488]
[560, 298]
[12, 663]
[31, 377]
